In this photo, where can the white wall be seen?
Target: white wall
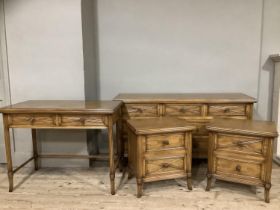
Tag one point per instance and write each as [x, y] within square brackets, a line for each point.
[45, 52]
[179, 46]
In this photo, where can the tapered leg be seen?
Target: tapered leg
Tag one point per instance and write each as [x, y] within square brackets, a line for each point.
[189, 181]
[139, 188]
[209, 181]
[111, 157]
[119, 145]
[8, 152]
[35, 148]
[266, 192]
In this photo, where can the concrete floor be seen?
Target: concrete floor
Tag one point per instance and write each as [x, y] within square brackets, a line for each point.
[74, 188]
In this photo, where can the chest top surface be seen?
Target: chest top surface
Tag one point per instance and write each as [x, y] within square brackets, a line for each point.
[185, 97]
[61, 106]
[250, 127]
[159, 125]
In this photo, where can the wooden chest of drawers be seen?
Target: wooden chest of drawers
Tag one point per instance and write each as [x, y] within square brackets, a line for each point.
[196, 109]
[241, 151]
[159, 149]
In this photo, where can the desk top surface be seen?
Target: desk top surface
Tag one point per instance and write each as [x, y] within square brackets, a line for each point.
[250, 127]
[63, 106]
[185, 97]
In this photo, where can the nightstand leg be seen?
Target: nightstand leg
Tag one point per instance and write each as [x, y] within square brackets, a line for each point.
[8, 153]
[35, 148]
[267, 187]
[189, 181]
[139, 188]
[209, 181]
[111, 157]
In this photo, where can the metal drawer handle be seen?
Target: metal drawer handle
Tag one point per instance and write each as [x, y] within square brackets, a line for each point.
[138, 110]
[226, 110]
[165, 142]
[238, 168]
[165, 165]
[32, 120]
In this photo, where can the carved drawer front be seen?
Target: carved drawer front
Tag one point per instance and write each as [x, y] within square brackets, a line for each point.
[80, 120]
[182, 110]
[167, 165]
[237, 143]
[140, 110]
[238, 168]
[227, 110]
[33, 120]
[164, 141]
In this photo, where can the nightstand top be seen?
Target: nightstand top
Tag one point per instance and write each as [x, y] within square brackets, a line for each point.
[246, 127]
[159, 125]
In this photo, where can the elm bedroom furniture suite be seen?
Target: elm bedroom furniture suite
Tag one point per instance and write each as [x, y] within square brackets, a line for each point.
[197, 109]
[61, 115]
[241, 151]
[159, 149]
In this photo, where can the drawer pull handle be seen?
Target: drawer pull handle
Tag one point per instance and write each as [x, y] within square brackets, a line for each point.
[238, 168]
[165, 165]
[32, 120]
[226, 110]
[138, 110]
[165, 143]
[239, 144]
[183, 110]
[82, 120]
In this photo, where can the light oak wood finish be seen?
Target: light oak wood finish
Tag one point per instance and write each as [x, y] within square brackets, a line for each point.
[65, 114]
[197, 109]
[159, 149]
[241, 151]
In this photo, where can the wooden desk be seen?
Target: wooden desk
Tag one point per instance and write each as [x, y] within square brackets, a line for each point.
[58, 114]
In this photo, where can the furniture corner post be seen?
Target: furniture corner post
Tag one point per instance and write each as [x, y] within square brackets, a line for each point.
[111, 154]
[188, 167]
[8, 151]
[212, 137]
[35, 148]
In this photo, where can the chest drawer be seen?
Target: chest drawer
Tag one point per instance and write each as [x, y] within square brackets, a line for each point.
[237, 143]
[233, 168]
[80, 120]
[182, 110]
[164, 141]
[32, 120]
[227, 110]
[140, 110]
[167, 165]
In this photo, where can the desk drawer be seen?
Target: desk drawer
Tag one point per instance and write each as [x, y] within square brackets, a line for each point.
[80, 120]
[227, 110]
[32, 120]
[182, 110]
[140, 110]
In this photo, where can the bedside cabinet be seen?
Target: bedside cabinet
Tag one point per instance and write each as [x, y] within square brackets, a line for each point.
[159, 149]
[241, 151]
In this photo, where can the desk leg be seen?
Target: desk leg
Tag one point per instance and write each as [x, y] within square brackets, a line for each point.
[35, 148]
[120, 151]
[111, 156]
[8, 152]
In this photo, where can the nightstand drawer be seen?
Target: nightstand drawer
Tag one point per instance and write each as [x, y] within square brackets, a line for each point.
[32, 120]
[164, 141]
[182, 110]
[238, 143]
[227, 110]
[167, 165]
[238, 168]
[140, 110]
[80, 120]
